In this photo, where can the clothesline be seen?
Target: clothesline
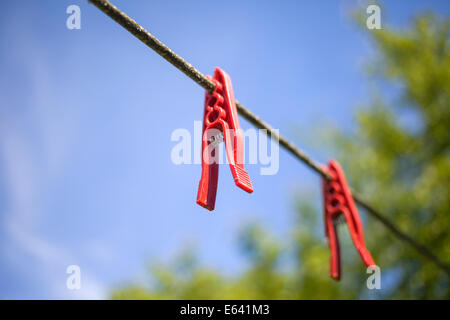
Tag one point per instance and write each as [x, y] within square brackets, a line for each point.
[177, 61]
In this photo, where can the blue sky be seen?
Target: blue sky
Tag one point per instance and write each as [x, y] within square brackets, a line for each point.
[86, 118]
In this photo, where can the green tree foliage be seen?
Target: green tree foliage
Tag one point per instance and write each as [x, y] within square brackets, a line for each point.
[400, 161]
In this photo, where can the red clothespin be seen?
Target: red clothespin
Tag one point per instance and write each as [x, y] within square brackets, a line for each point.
[220, 120]
[338, 201]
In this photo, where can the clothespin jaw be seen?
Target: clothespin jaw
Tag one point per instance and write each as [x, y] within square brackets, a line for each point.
[338, 201]
[220, 118]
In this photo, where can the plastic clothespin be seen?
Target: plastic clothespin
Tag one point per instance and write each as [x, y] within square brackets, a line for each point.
[338, 201]
[220, 120]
